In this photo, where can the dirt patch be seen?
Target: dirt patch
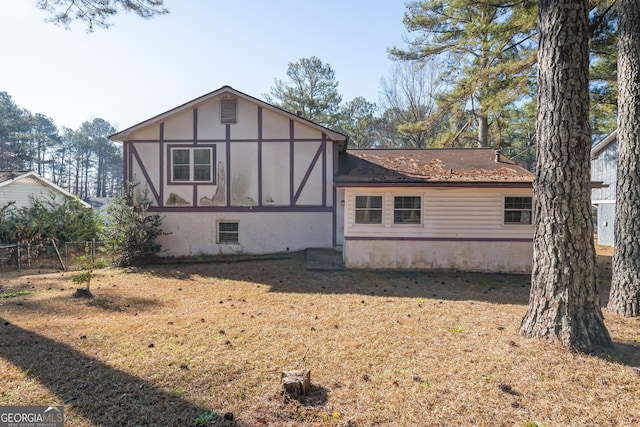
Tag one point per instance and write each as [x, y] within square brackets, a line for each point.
[171, 344]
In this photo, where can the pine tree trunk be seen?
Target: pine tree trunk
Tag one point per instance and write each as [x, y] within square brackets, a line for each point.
[624, 298]
[564, 305]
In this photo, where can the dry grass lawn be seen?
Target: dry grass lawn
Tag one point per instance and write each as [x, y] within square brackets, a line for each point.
[166, 344]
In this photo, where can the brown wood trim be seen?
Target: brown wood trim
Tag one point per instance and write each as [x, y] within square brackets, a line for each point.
[441, 239]
[135, 154]
[191, 209]
[440, 184]
[260, 184]
[307, 174]
[291, 163]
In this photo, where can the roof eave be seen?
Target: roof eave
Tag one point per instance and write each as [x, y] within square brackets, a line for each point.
[470, 184]
[600, 146]
[123, 135]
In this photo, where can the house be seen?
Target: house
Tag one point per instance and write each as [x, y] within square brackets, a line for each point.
[23, 187]
[464, 209]
[604, 158]
[233, 174]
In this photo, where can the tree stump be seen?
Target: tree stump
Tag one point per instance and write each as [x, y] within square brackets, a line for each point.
[296, 383]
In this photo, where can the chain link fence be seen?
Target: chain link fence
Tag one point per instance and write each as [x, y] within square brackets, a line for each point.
[48, 254]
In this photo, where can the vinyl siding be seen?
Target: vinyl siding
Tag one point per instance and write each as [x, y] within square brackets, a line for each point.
[24, 190]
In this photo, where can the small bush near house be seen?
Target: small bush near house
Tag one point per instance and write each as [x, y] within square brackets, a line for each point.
[130, 232]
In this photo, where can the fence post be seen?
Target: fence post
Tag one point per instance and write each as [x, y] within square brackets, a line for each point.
[58, 253]
[28, 255]
[18, 253]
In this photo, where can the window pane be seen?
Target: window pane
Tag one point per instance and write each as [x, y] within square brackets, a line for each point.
[228, 237]
[228, 226]
[202, 157]
[406, 216]
[202, 173]
[180, 157]
[180, 173]
[407, 209]
[368, 202]
[517, 202]
[407, 202]
[228, 232]
[365, 216]
[517, 210]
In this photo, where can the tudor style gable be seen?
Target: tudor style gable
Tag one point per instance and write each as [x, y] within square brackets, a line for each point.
[229, 151]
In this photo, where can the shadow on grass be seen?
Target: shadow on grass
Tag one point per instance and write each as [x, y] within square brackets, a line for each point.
[51, 305]
[288, 274]
[624, 353]
[94, 390]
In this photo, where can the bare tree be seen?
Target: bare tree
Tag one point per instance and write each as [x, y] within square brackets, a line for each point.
[408, 103]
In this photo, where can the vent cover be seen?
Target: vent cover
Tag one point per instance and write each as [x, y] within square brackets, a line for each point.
[228, 110]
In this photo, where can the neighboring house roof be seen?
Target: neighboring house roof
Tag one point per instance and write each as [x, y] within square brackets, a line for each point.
[331, 134]
[98, 202]
[600, 146]
[9, 177]
[458, 167]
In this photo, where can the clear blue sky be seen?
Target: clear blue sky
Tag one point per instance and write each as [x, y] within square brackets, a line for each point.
[140, 68]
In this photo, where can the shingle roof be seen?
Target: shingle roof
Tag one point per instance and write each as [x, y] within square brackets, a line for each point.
[430, 166]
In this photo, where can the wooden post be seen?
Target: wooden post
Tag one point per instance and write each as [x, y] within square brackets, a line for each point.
[28, 255]
[58, 253]
[296, 383]
[18, 253]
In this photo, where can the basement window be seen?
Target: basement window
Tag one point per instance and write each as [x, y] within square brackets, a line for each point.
[517, 210]
[228, 232]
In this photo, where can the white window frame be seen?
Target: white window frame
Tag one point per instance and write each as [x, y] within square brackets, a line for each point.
[356, 209]
[419, 209]
[220, 232]
[505, 210]
[192, 166]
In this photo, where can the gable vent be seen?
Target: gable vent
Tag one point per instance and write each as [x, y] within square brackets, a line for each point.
[228, 110]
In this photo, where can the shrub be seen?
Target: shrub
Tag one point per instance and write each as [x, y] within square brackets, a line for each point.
[130, 232]
[65, 221]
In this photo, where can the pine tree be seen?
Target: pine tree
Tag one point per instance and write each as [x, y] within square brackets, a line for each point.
[564, 304]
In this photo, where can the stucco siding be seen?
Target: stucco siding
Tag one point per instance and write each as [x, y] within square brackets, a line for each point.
[276, 171]
[195, 233]
[507, 257]
[246, 126]
[244, 174]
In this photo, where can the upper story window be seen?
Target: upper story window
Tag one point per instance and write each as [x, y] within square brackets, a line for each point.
[517, 210]
[406, 209]
[191, 164]
[368, 209]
